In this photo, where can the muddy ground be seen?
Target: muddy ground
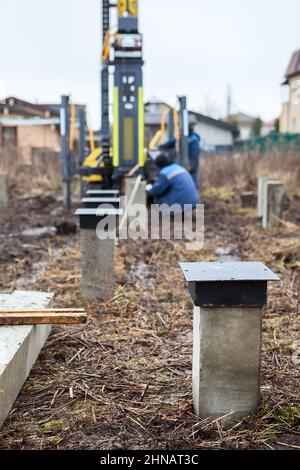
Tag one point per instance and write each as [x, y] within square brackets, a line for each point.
[124, 380]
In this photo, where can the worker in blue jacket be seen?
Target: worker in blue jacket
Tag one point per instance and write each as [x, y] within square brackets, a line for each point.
[174, 185]
[194, 152]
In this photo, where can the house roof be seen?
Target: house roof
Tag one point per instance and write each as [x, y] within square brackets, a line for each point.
[154, 118]
[212, 122]
[19, 111]
[241, 119]
[155, 101]
[24, 108]
[55, 108]
[293, 67]
[32, 108]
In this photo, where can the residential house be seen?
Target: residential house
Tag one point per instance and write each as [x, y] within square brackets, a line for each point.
[155, 110]
[27, 129]
[217, 136]
[268, 127]
[244, 123]
[290, 115]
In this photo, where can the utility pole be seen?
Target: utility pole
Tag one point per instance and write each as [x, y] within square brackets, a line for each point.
[228, 101]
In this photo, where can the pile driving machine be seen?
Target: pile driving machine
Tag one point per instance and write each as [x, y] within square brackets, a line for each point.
[122, 82]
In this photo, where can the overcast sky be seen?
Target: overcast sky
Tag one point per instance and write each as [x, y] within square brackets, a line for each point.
[192, 47]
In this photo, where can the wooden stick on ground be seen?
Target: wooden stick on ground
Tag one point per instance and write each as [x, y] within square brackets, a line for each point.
[43, 317]
[47, 311]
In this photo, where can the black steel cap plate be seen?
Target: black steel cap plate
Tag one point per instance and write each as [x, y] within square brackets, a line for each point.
[101, 200]
[89, 218]
[95, 202]
[102, 192]
[99, 212]
[232, 271]
[228, 284]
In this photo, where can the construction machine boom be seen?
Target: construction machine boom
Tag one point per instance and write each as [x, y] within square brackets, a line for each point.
[122, 53]
[128, 116]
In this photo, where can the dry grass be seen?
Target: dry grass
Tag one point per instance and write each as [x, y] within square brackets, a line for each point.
[31, 176]
[242, 170]
[124, 380]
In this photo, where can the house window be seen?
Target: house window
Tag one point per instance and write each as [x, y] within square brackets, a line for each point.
[9, 137]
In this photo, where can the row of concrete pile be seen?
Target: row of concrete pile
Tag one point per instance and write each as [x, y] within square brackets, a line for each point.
[270, 196]
[228, 299]
[228, 307]
[269, 200]
[97, 250]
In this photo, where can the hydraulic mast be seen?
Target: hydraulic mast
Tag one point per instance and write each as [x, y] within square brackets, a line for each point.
[105, 124]
[128, 129]
[128, 104]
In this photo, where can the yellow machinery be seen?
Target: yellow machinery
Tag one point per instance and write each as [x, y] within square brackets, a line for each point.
[123, 49]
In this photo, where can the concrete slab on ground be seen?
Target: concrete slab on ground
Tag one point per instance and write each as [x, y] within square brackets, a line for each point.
[19, 346]
[3, 191]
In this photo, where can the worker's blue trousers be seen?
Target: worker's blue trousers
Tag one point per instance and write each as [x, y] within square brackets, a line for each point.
[195, 175]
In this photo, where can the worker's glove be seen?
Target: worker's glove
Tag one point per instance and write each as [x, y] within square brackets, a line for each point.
[149, 187]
